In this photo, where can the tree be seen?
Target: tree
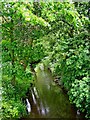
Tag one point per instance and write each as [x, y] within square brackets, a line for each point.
[54, 33]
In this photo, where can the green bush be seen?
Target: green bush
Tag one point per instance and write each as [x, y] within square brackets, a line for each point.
[79, 94]
[68, 51]
[13, 109]
[73, 67]
[54, 32]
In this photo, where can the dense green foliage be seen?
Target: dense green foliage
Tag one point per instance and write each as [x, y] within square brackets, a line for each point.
[55, 33]
[19, 50]
[69, 56]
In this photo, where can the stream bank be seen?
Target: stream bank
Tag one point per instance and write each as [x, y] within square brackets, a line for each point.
[47, 100]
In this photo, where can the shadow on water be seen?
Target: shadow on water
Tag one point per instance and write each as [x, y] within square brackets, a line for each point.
[46, 100]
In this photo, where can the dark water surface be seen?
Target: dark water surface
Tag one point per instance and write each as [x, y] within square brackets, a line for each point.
[47, 100]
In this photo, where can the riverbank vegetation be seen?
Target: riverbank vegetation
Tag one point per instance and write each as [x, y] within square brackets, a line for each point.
[53, 33]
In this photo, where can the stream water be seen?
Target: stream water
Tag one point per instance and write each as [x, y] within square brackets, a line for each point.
[47, 100]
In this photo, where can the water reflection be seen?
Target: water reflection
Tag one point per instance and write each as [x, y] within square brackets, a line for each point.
[28, 106]
[33, 96]
[35, 91]
[48, 100]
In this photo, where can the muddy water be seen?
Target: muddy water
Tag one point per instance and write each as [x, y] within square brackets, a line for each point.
[46, 100]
